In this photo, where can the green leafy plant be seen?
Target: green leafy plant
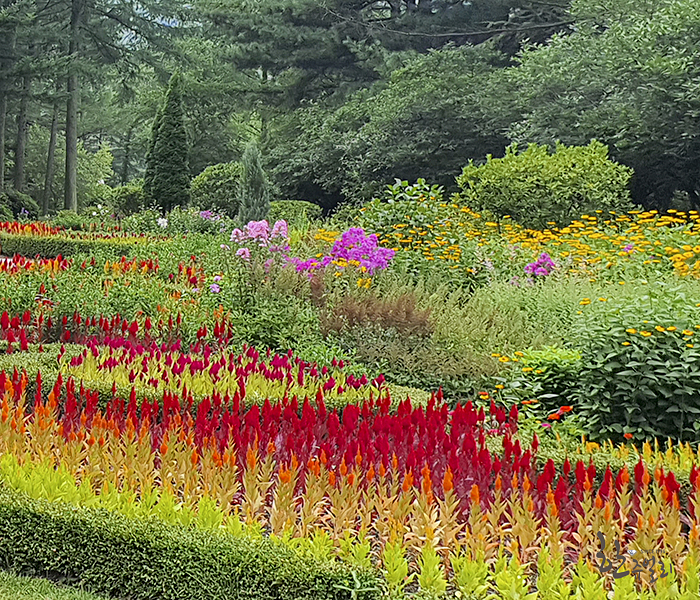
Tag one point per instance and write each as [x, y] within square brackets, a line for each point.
[535, 187]
[216, 188]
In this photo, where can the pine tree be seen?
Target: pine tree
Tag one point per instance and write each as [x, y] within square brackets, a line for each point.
[167, 180]
[253, 189]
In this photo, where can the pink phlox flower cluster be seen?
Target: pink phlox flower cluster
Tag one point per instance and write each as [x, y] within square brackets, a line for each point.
[260, 232]
[543, 266]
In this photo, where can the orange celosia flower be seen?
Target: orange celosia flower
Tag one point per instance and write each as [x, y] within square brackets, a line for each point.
[624, 476]
[331, 478]
[658, 476]
[194, 457]
[566, 409]
[598, 502]
[250, 458]
[676, 502]
[608, 511]
[554, 417]
[448, 481]
[652, 522]
[530, 505]
[285, 475]
[324, 458]
[407, 482]
[588, 484]
[382, 470]
[498, 484]
[394, 463]
[646, 478]
[343, 468]
[474, 495]
[370, 473]
[358, 458]
[426, 483]
[514, 481]
[295, 462]
[527, 486]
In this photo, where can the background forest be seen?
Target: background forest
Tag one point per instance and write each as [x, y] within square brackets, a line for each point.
[341, 96]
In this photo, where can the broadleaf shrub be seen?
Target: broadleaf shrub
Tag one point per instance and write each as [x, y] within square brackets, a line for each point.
[109, 553]
[535, 187]
[129, 198]
[295, 212]
[646, 384]
[217, 188]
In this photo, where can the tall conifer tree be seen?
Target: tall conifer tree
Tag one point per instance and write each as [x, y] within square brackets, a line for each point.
[167, 181]
[253, 191]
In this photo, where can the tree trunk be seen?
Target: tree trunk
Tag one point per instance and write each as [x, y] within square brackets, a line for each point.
[22, 128]
[7, 46]
[50, 164]
[3, 113]
[71, 185]
[124, 174]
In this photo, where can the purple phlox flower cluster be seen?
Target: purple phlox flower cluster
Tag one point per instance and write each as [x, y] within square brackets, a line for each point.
[629, 248]
[543, 266]
[208, 215]
[354, 246]
[215, 288]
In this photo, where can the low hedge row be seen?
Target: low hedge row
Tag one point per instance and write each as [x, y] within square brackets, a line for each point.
[138, 559]
[52, 246]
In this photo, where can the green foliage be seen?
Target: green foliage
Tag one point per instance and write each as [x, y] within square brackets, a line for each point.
[112, 554]
[621, 77]
[14, 587]
[396, 568]
[52, 246]
[253, 187]
[637, 376]
[94, 170]
[12, 203]
[216, 188]
[547, 375]
[427, 118]
[470, 576]
[167, 182]
[432, 575]
[297, 213]
[535, 187]
[129, 198]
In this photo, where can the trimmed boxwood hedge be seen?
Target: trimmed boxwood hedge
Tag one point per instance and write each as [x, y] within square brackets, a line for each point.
[111, 554]
[52, 246]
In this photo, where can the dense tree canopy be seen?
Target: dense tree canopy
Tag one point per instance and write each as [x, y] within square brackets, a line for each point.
[345, 96]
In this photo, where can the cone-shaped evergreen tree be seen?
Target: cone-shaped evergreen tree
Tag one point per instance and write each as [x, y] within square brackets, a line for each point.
[167, 179]
[253, 188]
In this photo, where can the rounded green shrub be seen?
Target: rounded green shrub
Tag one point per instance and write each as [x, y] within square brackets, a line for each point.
[294, 211]
[216, 188]
[129, 198]
[535, 187]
